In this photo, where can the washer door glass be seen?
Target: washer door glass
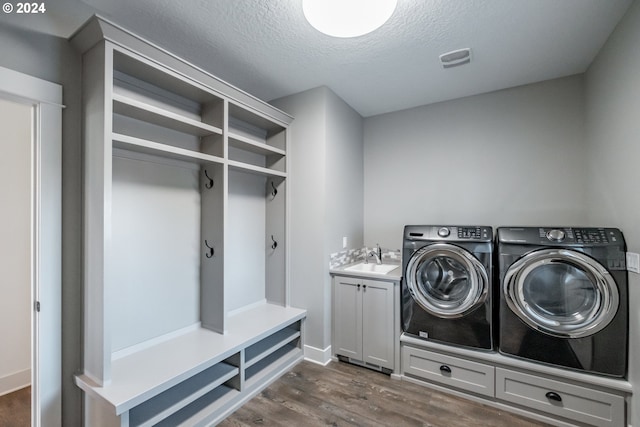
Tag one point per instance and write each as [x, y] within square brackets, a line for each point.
[446, 280]
[563, 293]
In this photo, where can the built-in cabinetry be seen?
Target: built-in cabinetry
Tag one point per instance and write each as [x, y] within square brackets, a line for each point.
[364, 326]
[186, 311]
[550, 394]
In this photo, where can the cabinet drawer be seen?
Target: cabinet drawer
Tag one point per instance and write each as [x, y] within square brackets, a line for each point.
[447, 370]
[568, 400]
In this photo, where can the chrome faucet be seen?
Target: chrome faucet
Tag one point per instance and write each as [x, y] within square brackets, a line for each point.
[376, 253]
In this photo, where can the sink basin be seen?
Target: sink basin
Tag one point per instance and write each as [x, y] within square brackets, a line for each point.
[372, 267]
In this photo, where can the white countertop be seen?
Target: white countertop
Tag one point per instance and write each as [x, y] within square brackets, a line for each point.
[393, 275]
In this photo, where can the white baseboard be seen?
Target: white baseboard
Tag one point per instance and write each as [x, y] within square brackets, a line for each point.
[16, 381]
[317, 355]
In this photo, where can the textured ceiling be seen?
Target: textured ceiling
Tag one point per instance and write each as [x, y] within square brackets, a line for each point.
[268, 49]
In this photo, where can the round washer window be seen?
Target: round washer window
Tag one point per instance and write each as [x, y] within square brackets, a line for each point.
[563, 293]
[446, 280]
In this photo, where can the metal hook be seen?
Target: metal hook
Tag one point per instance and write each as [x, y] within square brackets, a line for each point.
[275, 190]
[209, 185]
[210, 253]
[274, 244]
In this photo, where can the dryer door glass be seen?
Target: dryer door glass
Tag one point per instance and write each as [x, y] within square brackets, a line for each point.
[563, 293]
[446, 280]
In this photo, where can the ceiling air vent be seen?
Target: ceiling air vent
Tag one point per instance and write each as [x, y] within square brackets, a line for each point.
[455, 58]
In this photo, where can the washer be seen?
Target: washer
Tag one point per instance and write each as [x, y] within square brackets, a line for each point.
[447, 284]
[563, 297]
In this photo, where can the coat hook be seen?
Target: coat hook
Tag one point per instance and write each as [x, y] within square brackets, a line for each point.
[275, 190]
[210, 252]
[274, 244]
[209, 184]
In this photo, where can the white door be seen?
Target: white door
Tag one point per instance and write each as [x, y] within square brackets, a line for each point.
[16, 246]
[31, 131]
[347, 318]
[377, 323]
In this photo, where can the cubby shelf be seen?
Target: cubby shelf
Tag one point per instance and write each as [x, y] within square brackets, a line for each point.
[264, 348]
[144, 146]
[171, 401]
[158, 116]
[257, 170]
[257, 147]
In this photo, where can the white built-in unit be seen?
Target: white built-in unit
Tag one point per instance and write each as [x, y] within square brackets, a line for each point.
[366, 322]
[557, 396]
[186, 307]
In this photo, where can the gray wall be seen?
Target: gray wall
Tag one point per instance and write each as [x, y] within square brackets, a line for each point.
[512, 157]
[326, 201]
[52, 58]
[613, 135]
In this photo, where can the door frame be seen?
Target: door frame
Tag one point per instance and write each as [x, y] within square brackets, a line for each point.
[45, 98]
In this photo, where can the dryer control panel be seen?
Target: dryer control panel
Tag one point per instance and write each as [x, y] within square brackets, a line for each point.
[561, 236]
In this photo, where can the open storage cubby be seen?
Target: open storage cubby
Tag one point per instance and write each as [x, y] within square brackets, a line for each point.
[186, 286]
[256, 143]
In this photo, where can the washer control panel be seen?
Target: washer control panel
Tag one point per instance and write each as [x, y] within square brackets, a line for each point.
[450, 233]
[472, 233]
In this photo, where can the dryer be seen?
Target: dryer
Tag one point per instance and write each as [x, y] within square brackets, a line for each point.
[563, 298]
[447, 284]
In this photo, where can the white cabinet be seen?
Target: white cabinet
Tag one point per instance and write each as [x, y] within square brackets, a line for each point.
[186, 288]
[449, 371]
[364, 320]
[549, 394]
[572, 401]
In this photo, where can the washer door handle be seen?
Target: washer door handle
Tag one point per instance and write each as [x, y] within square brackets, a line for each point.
[445, 369]
[552, 395]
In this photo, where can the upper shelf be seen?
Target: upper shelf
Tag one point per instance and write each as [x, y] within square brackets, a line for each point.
[256, 170]
[257, 147]
[152, 114]
[150, 147]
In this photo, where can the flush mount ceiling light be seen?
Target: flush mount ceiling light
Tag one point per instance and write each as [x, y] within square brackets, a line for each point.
[347, 18]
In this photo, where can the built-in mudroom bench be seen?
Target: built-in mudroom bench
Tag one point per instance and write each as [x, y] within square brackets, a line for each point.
[186, 283]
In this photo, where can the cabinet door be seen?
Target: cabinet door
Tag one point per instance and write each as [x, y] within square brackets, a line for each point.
[377, 322]
[347, 317]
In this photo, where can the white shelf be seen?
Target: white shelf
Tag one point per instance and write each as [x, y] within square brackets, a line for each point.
[257, 170]
[145, 146]
[158, 116]
[264, 348]
[143, 375]
[173, 400]
[205, 410]
[247, 144]
[256, 375]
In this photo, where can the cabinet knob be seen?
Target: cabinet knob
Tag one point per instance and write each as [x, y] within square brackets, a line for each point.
[364, 286]
[552, 395]
[358, 285]
[445, 369]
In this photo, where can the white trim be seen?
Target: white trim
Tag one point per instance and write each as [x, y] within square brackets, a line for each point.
[46, 362]
[16, 381]
[29, 88]
[317, 355]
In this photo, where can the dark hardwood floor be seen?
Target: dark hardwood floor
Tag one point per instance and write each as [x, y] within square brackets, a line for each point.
[15, 408]
[341, 394]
